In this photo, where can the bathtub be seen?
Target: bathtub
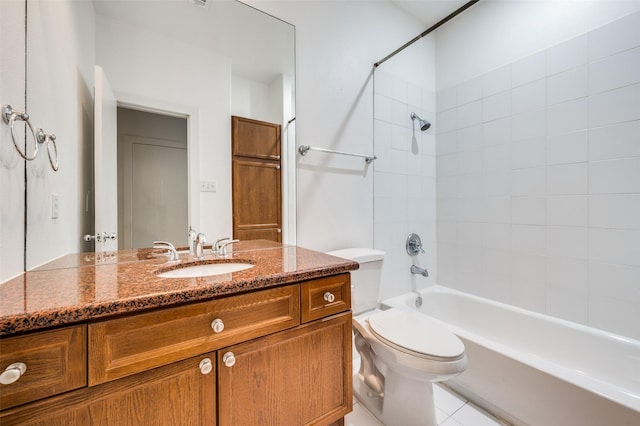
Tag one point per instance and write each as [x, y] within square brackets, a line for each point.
[532, 369]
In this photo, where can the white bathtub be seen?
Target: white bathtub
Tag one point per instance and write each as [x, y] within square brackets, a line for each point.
[532, 369]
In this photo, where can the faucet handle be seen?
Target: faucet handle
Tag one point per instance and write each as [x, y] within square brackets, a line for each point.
[173, 253]
[223, 248]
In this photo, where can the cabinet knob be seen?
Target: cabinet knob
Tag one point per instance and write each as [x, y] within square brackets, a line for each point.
[206, 366]
[229, 359]
[217, 325]
[329, 297]
[12, 373]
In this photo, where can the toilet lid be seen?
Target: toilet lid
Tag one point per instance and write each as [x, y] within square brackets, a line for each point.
[417, 333]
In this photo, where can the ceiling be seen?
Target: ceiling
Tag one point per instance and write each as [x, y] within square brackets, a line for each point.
[429, 11]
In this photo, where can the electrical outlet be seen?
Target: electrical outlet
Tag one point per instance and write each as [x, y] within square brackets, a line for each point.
[55, 206]
[207, 186]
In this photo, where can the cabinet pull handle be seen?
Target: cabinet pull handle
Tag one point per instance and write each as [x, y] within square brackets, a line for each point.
[329, 297]
[12, 373]
[217, 325]
[206, 366]
[229, 359]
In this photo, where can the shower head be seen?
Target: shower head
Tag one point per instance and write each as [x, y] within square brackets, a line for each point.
[424, 124]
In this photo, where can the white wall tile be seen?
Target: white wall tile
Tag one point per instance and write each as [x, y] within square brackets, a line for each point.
[447, 186]
[528, 182]
[621, 246]
[497, 209]
[567, 148]
[382, 211]
[429, 101]
[614, 176]
[399, 113]
[528, 210]
[615, 71]
[382, 184]
[383, 163]
[469, 162]
[571, 305]
[529, 96]
[400, 137]
[531, 239]
[496, 184]
[614, 281]
[614, 211]
[567, 210]
[398, 161]
[528, 153]
[382, 110]
[567, 55]
[568, 241]
[529, 125]
[447, 232]
[614, 106]
[470, 233]
[496, 106]
[447, 121]
[470, 185]
[469, 91]
[381, 133]
[496, 132]
[470, 138]
[447, 209]
[496, 81]
[528, 69]
[447, 143]
[618, 316]
[469, 114]
[568, 85]
[617, 141]
[568, 273]
[446, 99]
[496, 236]
[529, 272]
[399, 89]
[468, 208]
[567, 117]
[615, 37]
[567, 179]
[496, 158]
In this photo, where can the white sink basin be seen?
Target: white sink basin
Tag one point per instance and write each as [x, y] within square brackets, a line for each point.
[205, 270]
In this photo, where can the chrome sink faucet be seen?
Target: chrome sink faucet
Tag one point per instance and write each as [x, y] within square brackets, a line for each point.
[223, 247]
[199, 243]
[192, 241]
[217, 245]
[171, 250]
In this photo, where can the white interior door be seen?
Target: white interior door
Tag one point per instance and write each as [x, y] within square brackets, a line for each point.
[105, 164]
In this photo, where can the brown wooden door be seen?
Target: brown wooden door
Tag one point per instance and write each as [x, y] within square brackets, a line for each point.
[177, 394]
[295, 377]
[256, 177]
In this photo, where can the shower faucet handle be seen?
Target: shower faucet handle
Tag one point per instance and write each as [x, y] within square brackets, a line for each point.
[414, 245]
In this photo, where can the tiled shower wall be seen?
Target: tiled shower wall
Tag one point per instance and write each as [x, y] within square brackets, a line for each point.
[404, 181]
[538, 181]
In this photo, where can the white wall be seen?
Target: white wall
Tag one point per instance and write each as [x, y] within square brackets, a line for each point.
[60, 101]
[538, 162]
[337, 43]
[256, 100]
[202, 87]
[12, 41]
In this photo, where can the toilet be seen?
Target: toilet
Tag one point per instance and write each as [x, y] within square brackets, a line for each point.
[401, 353]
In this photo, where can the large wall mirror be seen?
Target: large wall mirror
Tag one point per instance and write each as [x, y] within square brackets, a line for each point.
[186, 67]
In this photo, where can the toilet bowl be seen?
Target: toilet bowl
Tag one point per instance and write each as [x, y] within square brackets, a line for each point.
[401, 353]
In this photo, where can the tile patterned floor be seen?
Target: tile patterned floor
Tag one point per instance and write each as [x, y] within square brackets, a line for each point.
[451, 410]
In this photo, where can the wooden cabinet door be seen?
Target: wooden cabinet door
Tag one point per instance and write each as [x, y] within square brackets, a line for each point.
[296, 377]
[256, 180]
[177, 394]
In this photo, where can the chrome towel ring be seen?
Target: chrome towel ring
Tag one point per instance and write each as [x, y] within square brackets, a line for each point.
[39, 137]
[10, 116]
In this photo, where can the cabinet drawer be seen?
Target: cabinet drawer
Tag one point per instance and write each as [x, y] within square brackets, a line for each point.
[326, 296]
[56, 362]
[128, 345]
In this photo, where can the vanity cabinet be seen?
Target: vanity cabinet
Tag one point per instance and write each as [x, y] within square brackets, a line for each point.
[250, 359]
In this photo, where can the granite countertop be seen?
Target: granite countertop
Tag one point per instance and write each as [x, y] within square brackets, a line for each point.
[88, 286]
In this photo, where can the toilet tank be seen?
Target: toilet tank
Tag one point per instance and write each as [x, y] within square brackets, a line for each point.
[365, 282]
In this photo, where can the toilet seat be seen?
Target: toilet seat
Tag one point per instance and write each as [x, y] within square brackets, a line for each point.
[416, 335]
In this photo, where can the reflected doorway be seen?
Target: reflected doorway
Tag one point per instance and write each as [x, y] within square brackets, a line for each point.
[152, 178]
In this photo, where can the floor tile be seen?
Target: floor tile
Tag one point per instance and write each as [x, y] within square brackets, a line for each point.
[446, 400]
[469, 415]
[360, 416]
